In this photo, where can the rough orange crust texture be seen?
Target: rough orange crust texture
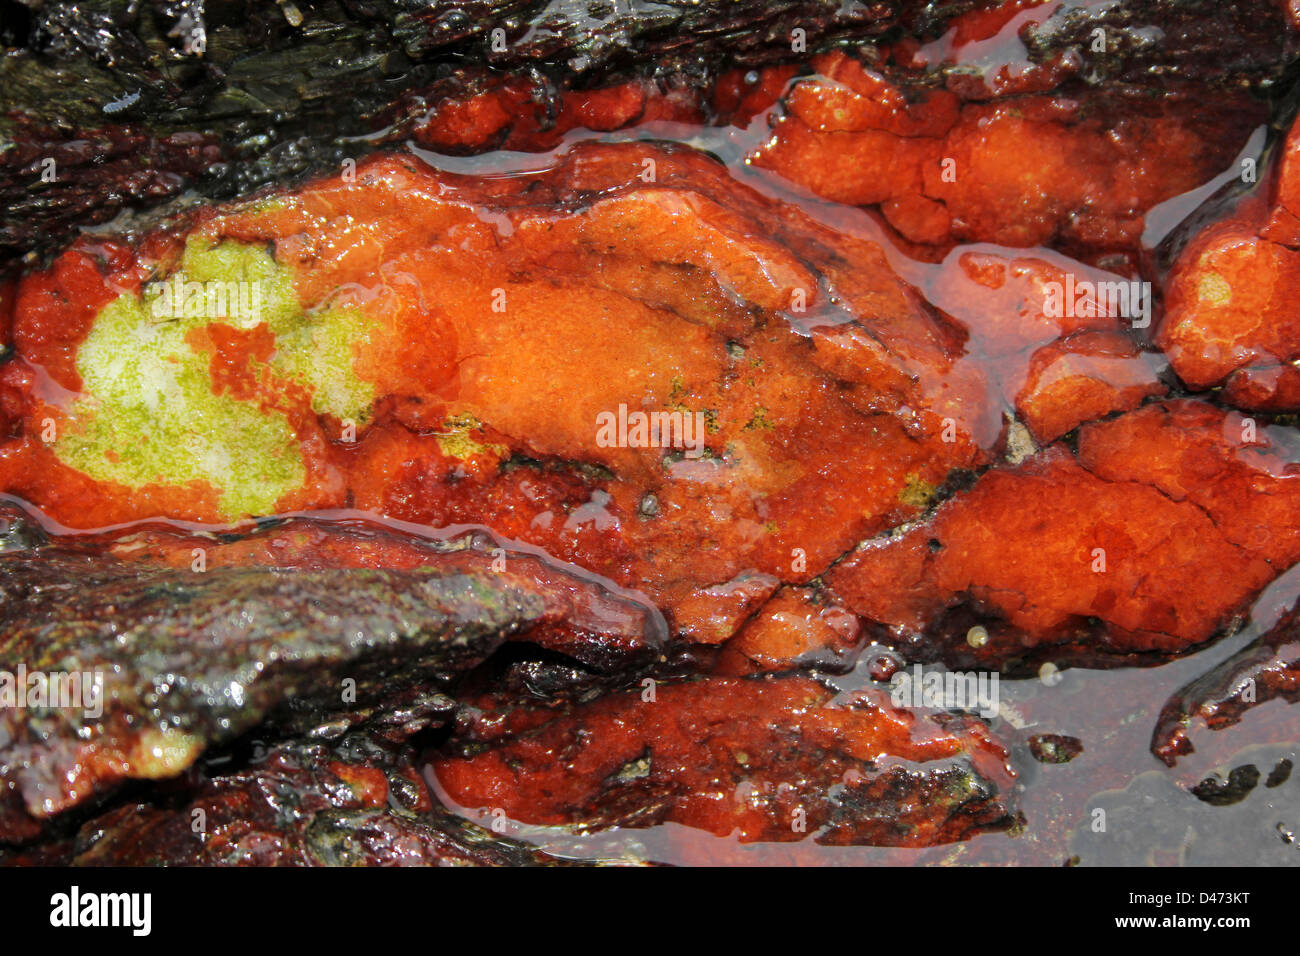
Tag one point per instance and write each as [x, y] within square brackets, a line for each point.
[1230, 316]
[1028, 170]
[942, 164]
[468, 333]
[1058, 551]
[441, 348]
[766, 760]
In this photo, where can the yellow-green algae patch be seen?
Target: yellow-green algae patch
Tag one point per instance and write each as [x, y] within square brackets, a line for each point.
[150, 417]
[457, 442]
[917, 492]
[314, 348]
[1214, 289]
[318, 351]
[149, 413]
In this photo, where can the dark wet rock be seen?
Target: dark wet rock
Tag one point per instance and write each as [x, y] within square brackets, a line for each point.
[18, 532]
[138, 101]
[170, 661]
[1280, 774]
[774, 760]
[1054, 748]
[357, 803]
[1218, 792]
[1223, 45]
[1267, 669]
